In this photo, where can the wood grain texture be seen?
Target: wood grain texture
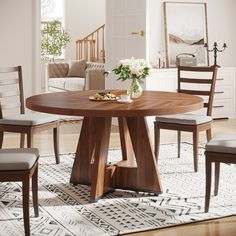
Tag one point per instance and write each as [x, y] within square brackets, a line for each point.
[138, 169]
[125, 141]
[145, 175]
[77, 103]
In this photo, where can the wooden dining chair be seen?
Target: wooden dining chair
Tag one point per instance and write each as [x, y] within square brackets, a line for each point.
[21, 165]
[196, 81]
[220, 149]
[12, 111]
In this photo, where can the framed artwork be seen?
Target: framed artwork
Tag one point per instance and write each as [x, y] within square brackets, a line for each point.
[185, 31]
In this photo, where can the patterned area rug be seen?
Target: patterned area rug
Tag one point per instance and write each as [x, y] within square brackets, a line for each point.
[65, 210]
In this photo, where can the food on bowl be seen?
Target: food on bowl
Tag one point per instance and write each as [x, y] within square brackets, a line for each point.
[104, 96]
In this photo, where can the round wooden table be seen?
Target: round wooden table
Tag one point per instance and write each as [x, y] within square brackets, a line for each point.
[137, 170]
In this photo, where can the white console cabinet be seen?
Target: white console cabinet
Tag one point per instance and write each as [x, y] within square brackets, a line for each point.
[224, 105]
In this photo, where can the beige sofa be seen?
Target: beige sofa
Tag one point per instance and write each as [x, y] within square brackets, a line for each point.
[75, 75]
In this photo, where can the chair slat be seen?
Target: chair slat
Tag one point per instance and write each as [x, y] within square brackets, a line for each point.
[11, 106]
[16, 104]
[9, 81]
[206, 85]
[198, 69]
[8, 69]
[10, 94]
[195, 81]
[195, 92]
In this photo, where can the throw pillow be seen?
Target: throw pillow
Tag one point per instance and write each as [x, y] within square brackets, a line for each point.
[77, 68]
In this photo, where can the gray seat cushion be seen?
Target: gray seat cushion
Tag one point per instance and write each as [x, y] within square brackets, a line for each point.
[18, 158]
[187, 119]
[29, 119]
[222, 144]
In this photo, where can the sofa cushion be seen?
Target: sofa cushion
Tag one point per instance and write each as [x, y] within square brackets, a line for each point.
[68, 83]
[77, 68]
[56, 70]
[74, 84]
[57, 82]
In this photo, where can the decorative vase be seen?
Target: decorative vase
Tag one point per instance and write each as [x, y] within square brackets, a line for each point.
[135, 89]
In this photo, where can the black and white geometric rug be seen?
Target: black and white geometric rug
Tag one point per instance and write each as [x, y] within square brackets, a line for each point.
[65, 209]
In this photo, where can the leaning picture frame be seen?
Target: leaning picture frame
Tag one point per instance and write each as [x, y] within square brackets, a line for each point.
[186, 31]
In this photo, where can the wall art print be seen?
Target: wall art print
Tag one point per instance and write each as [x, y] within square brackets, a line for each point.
[185, 31]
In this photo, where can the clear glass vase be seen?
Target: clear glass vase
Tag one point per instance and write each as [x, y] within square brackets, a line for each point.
[135, 89]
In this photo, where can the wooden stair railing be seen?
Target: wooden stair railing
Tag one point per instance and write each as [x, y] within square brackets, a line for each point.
[92, 47]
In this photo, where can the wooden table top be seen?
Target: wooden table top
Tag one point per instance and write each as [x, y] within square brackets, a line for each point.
[77, 103]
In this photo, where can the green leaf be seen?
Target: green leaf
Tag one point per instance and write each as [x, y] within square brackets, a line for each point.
[53, 39]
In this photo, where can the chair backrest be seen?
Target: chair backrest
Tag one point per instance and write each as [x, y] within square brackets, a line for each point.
[198, 81]
[11, 90]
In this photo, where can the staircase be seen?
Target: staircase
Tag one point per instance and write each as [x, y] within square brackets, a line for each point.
[92, 47]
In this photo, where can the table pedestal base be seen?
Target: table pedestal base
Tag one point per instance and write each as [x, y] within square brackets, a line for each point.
[137, 171]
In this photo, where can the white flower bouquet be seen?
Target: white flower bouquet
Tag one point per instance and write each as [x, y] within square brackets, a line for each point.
[137, 69]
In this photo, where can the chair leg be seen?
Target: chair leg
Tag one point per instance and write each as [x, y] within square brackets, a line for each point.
[208, 185]
[35, 192]
[179, 141]
[25, 194]
[56, 144]
[195, 149]
[22, 140]
[217, 177]
[208, 134]
[156, 141]
[1, 138]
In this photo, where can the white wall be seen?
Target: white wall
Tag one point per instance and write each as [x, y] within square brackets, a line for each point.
[221, 28]
[155, 31]
[81, 18]
[221, 24]
[16, 38]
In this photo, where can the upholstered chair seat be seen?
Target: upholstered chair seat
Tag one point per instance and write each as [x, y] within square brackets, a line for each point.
[29, 119]
[187, 119]
[222, 144]
[20, 165]
[18, 159]
[220, 149]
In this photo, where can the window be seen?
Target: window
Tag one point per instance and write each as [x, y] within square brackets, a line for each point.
[51, 10]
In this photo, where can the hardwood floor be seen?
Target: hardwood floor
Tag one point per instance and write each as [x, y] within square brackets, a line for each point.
[68, 141]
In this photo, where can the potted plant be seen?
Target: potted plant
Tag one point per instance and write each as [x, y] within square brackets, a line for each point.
[53, 40]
